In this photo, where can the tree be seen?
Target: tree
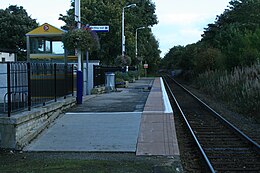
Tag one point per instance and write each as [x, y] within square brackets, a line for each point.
[232, 40]
[80, 39]
[15, 23]
[109, 12]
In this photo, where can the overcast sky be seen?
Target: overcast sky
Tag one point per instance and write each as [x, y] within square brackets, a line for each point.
[181, 22]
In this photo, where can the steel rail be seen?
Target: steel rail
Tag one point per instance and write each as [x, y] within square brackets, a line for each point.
[217, 115]
[208, 163]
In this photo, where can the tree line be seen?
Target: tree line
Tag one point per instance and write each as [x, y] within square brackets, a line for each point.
[233, 40]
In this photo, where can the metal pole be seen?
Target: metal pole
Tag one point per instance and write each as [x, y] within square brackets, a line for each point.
[28, 48]
[9, 108]
[136, 43]
[136, 32]
[79, 71]
[55, 82]
[72, 79]
[145, 70]
[29, 86]
[123, 32]
[87, 79]
[123, 27]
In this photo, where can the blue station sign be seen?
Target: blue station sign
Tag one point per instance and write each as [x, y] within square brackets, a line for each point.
[104, 28]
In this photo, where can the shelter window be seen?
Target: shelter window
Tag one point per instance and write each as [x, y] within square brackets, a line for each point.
[46, 46]
[57, 47]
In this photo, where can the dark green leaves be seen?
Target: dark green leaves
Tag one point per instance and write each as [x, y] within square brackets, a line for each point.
[79, 39]
[15, 23]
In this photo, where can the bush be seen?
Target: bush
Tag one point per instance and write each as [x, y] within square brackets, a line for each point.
[239, 88]
[133, 74]
[120, 76]
[123, 60]
[80, 39]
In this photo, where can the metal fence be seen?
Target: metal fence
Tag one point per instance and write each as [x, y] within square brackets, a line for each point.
[24, 85]
[100, 73]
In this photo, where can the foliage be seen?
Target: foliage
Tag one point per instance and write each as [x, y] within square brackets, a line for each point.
[133, 74]
[81, 39]
[15, 23]
[222, 60]
[121, 76]
[109, 12]
[239, 88]
[123, 60]
[181, 58]
[232, 41]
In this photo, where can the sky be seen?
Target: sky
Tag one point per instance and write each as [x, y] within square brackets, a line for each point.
[181, 22]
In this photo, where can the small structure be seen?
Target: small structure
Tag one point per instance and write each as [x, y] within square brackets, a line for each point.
[45, 43]
[7, 56]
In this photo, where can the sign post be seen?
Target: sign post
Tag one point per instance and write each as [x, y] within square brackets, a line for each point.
[96, 28]
[145, 69]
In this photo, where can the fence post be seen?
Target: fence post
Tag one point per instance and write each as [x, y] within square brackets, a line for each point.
[65, 88]
[9, 89]
[29, 86]
[55, 82]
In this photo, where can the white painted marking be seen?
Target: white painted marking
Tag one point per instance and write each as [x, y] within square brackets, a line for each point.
[166, 101]
[97, 113]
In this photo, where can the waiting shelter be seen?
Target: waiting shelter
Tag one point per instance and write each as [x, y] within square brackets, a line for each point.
[45, 43]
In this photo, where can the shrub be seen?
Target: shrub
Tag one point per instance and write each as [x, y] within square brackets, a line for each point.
[123, 60]
[82, 39]
[121, 76]
[239, 88]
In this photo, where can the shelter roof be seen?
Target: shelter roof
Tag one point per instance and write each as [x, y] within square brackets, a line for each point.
[45, 30]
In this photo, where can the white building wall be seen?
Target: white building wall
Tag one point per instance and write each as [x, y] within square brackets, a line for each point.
[88, 85]
[3, 81]
[7, 57]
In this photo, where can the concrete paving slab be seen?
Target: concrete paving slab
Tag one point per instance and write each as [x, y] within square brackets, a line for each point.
[91, 132]
[131, 99]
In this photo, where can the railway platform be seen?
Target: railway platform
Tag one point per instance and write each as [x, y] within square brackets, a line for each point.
[137, 119]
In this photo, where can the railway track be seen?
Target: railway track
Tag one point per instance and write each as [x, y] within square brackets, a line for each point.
[223, 147]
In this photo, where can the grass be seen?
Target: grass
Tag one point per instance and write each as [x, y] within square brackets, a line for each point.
[240, 88]
[71, 166]
[49, 162]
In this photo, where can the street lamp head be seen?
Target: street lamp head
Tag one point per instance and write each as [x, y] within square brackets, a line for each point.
[142, 27]
[131, 6]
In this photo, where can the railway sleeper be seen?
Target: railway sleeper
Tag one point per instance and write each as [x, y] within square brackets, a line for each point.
[226, 149]
[244, 169]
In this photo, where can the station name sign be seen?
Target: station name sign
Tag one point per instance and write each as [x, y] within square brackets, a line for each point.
[104, 28]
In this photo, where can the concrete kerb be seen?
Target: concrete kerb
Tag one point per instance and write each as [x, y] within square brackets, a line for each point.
[19, 129]
[157, 134]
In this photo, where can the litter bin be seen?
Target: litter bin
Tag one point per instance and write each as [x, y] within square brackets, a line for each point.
[110, 81]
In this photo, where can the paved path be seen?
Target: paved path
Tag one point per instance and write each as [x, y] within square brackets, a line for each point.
[131, 99]
[125, 121]
[106, 122]
[114, 132]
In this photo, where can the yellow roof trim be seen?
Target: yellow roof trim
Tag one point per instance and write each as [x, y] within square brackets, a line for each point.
[45, 30]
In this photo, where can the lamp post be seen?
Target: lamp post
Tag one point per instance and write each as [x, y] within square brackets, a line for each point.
[123, 27]
[136, 39]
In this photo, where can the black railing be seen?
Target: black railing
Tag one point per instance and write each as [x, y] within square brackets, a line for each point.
[24, 85]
